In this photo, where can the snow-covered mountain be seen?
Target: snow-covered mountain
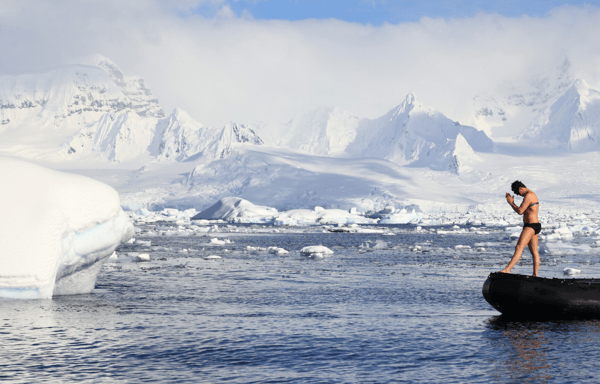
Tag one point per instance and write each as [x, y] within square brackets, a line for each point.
[410, 134]
[141, 99]
[506, 111]
[572, 123]
[417, 135]
[323, 131]
[92, 112]
[92, 116]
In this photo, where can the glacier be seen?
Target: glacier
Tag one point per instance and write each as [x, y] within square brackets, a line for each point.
[57, 229]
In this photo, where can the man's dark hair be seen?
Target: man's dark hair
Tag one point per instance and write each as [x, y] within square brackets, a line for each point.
[516, 185]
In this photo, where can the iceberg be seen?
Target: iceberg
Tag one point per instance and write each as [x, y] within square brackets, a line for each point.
[56, 231]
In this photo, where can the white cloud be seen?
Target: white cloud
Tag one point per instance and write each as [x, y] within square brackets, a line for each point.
[241, 69]
[225, 12]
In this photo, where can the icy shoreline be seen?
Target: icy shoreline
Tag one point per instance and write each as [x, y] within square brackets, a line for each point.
[558, 228]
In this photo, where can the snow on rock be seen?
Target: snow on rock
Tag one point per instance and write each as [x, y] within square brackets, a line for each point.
[213, 258]
[415, 133]
[133, 87]
[572, 123]
[237, 209]
[316, 250]
[57, 230]
[115, 136]
[222, 146]
[182, 137]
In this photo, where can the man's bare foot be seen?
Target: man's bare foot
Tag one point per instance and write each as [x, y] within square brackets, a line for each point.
[504, 271]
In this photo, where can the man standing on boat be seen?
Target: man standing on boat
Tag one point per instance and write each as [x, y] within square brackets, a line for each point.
[531, 226]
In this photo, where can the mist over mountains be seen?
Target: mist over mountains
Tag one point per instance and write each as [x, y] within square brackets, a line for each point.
[91, 115]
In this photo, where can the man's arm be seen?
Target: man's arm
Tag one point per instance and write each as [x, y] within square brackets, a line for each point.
[519, 209]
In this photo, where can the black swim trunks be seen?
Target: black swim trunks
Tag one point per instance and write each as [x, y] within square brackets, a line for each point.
[537, 227]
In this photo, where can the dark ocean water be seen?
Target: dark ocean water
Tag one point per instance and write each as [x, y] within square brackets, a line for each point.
[363, 314]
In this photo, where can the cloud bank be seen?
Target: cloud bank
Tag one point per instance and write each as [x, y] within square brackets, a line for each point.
[235, 68]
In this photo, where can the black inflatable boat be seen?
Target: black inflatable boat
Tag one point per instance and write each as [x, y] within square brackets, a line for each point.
[529, 297]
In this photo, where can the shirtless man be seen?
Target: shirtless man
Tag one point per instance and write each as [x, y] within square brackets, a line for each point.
[531, 226]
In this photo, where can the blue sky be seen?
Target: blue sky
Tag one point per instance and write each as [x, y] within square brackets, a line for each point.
[376, 12]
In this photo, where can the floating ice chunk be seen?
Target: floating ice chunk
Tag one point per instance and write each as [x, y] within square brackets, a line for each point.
[465, 247]
[142, 257]
[131, 241]
[213, 258]
[75, 223]
[316, 249]
[553, 237]
[239, 210]
[515, 235]
[252, 249]
[277, 251]
[380, 244]
[114, 258]
[216, 241]
[571, 271]
[145, 243]
[401, 217]
[560, 248]
[170, 212]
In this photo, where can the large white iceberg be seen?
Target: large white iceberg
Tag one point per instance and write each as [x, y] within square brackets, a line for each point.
[56, 230]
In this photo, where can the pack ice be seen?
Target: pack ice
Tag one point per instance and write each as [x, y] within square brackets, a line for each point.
[56, 230]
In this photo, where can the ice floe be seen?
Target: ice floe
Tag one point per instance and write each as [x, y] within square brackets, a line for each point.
[57, 230]
[571, 271]
[316, 251]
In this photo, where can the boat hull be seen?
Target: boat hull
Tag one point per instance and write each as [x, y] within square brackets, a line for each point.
[540, 298]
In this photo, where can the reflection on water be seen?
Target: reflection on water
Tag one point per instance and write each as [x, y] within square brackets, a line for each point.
[531, 351]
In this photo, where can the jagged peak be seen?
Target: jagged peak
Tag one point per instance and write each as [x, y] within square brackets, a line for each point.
[412, 103]
[581, 86]
[98, 60]
[182, 117]
[240, 133]
[462, 145]
[411, 98]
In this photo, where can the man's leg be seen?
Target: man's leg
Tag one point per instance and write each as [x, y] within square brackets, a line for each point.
[533, 248]
[526, 236]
